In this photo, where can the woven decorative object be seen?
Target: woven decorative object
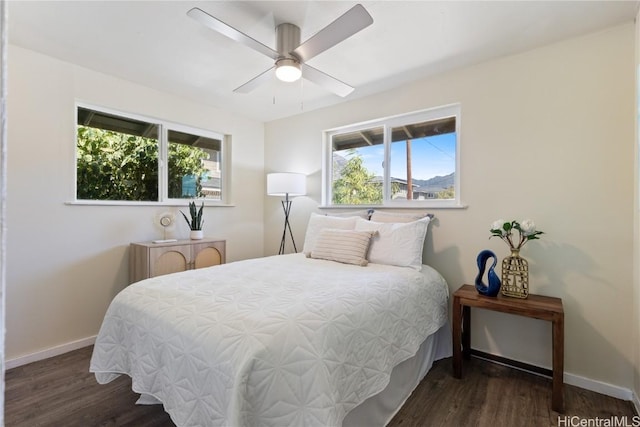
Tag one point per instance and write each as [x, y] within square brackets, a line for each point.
[515, 276]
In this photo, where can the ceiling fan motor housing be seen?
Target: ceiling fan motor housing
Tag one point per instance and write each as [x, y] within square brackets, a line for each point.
[287, 39]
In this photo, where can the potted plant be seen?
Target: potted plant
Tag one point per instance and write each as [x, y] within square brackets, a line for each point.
[196, 222]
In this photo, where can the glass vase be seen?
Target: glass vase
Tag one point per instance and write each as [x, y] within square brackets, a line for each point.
[515, 275]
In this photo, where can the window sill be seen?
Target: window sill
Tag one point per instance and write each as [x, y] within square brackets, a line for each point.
[131, 203]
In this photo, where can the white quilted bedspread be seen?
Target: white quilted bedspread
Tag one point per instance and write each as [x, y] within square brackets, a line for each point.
[276, 341]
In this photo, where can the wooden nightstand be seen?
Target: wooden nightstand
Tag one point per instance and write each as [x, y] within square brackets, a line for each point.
[535, 306]
[148, 259]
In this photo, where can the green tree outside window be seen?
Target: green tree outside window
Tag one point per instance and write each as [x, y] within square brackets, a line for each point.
[118, 166]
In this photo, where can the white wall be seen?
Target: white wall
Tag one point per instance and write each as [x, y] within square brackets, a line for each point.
[66, 262]
[635, 325]
[548, 135]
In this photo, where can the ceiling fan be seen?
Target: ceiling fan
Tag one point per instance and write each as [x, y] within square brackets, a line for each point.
[290, 55]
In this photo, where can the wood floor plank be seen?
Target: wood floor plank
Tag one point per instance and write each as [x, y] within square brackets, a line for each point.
[61, 392]
[494, 395]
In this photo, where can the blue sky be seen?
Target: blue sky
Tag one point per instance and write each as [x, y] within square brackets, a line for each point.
[432, 156]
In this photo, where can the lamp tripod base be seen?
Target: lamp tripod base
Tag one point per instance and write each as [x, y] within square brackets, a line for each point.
[286, 206]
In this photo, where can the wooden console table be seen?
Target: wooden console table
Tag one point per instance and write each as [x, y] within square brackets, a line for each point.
[535, 306]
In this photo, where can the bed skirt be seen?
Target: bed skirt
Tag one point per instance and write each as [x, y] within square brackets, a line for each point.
[378, 410]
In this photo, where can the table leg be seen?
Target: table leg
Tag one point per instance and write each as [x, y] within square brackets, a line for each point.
[466, 332]
[557, 396]
[457, 331]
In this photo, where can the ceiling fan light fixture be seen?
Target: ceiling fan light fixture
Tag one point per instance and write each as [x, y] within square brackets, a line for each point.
[288, 70]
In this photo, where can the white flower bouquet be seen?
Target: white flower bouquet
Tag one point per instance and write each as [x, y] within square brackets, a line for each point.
[505, 230]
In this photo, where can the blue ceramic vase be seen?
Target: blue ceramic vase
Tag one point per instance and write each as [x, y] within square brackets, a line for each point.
[493, 288]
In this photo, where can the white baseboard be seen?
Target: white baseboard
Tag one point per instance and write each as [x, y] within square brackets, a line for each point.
[599, 387]
[571, 379]
[49, 352]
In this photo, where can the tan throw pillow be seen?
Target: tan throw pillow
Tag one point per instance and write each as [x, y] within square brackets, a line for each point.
[345, 246]
[363, 213]
[379, 216]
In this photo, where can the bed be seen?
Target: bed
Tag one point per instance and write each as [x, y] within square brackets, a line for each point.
[284, 340]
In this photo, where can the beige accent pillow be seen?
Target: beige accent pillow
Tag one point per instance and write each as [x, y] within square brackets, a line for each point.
[363, 213]
[396, 217]
[345, 246]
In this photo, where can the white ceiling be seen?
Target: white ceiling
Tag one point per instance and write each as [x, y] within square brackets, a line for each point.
[154, 43]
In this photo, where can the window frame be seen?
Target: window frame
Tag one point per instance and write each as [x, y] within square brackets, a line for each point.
[388, 123]
[164, 126]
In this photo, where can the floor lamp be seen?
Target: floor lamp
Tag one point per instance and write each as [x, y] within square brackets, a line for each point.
[286, 184]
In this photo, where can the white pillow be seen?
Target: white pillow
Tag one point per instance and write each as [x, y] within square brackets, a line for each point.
[379, 216]
[319, 222]
[346, 246]
[396, 243]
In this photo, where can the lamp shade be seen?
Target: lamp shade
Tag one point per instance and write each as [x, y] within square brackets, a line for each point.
[284, 183]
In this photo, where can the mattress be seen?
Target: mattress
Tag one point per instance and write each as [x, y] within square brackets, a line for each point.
[282, 340]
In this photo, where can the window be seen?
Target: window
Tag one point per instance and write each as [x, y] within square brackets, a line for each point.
[402, 161]
[122, 158]
[194, 166]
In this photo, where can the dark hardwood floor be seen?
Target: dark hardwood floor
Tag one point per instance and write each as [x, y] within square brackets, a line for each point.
[61, 392]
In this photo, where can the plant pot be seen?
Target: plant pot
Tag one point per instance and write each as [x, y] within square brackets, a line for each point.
[196, 234]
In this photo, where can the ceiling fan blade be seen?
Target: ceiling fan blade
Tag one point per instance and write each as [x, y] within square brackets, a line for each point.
[227, 30]
[352, 21]
[255, 82]
[326, 81]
